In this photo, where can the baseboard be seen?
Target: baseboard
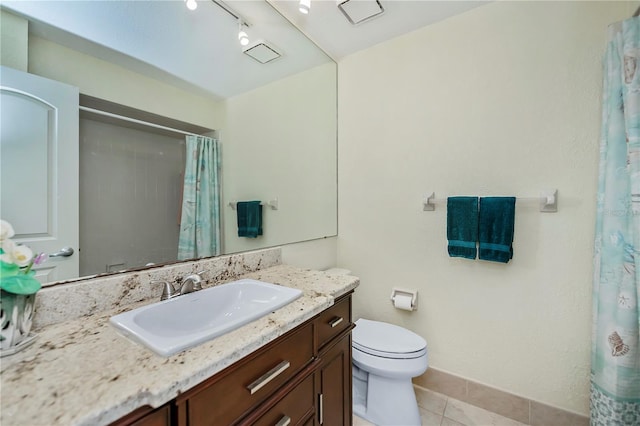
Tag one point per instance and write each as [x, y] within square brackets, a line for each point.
[506, 404]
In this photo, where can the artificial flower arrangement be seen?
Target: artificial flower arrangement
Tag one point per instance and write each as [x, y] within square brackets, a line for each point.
[16, 262]
[18, 288]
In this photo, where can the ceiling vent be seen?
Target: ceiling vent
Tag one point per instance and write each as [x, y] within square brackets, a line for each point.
[359, 11]
[262, 52]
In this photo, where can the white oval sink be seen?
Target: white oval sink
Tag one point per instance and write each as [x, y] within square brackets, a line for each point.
[174, 325]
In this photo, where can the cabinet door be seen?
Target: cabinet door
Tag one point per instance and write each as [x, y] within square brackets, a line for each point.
[335, 385]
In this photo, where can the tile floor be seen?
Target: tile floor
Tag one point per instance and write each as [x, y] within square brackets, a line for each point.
[439, 410]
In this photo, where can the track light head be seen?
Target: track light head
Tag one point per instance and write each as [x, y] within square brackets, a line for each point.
[242, 34]
[304, 6]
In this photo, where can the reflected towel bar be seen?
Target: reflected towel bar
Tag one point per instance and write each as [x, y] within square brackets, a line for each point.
[548, 201]
[273, 204]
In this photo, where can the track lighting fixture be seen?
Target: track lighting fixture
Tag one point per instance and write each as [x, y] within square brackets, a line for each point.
[304, 6]
[242, 35]
[191, 4]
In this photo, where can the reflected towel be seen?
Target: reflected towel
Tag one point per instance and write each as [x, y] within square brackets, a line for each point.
[462, 226]
[497, 216]
[249, 218]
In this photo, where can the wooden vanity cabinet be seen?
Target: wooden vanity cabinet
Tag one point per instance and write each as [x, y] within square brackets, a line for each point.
[302, 378]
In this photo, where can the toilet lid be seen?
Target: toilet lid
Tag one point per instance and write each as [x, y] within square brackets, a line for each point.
[387, 340]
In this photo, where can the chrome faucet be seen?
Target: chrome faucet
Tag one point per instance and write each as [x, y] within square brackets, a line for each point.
[168, 292]
[189, 284]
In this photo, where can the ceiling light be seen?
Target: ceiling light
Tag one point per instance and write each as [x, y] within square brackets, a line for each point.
[304, 6]
[242, 35]
[191, 4]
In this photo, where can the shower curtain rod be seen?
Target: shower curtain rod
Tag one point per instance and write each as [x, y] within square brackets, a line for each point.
[134, 120]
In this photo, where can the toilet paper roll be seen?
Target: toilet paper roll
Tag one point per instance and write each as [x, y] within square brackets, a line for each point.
[402, 301]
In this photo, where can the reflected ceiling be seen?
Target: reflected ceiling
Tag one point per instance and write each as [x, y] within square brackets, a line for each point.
[165, 40]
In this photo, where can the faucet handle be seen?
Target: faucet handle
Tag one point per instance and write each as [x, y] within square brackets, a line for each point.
[168, 291]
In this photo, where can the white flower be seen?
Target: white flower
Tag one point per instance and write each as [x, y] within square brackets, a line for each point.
[6, 230]
[8, 247]
[20, 255]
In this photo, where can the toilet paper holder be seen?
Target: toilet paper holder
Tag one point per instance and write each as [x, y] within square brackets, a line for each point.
[413, 294]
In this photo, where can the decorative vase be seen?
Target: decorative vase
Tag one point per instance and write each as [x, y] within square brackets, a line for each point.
[17, 302]
[16, 314]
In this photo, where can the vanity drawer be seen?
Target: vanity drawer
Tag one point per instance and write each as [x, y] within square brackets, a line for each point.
[250, 381]
[293, 409]
[334, 320]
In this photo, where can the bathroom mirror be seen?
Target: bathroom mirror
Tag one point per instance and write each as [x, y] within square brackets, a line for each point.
[276, 122]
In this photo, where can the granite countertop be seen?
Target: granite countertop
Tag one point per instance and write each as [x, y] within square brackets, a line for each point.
[83, 372]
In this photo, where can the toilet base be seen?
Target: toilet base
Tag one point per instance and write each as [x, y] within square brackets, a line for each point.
[390, 402]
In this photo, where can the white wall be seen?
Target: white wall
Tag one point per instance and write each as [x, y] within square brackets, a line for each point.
[279, 141]
[502, 100]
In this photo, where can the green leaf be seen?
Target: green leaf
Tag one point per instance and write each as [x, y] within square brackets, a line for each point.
[20, 284]
[8, 269]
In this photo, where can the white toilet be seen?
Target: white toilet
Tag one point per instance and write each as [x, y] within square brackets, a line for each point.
[385, 358]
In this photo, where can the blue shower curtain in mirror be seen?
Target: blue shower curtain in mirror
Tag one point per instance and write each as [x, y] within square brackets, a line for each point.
[200, 219]
[615, 354]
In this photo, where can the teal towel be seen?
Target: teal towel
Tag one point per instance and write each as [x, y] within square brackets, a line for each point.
[497, 216]
[462, 226]
[249, 218]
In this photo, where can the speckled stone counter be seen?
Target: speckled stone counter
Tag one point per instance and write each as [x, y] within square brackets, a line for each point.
[83, 372]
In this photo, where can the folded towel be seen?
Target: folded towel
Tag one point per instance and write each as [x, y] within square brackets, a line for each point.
[462, 226]
[497, 215]
[249, 218]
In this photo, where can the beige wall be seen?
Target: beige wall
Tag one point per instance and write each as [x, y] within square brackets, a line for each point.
[14, 36]
[502, 100]
[317, 254]
[279, 141]
[105, 80]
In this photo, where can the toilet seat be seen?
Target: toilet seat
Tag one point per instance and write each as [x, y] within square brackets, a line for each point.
[387, 340]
